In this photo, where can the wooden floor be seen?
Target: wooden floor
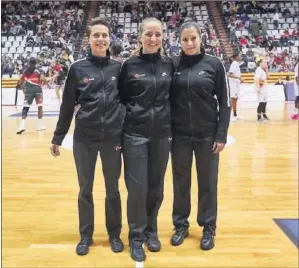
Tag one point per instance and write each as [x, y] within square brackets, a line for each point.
[258, 182]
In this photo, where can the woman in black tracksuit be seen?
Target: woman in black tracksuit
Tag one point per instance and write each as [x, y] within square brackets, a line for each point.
[92, 84]
[145, 81]
[199, 87]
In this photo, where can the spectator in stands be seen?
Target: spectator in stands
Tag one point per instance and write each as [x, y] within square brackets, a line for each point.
[146, 135]
[197, 126]
[265, 27]
[232, 32]
[243, 41]
[279, 82]
[215, 42]
[276, 19]
[92, 84]
[255, 28]
[116, 50]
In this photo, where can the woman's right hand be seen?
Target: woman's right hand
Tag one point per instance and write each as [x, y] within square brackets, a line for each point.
[55, 150]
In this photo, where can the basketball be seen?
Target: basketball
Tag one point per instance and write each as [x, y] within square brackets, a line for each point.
[261, 82]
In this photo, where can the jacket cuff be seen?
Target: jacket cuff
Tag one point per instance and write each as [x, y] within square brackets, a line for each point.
[221, 137]
[57, 140]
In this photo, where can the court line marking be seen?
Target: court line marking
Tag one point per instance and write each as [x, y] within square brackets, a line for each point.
[72, 246]
[139, 264]
[52, 246]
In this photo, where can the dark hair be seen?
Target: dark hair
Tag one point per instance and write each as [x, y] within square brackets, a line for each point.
[97, 21]
[115, 49]
[190, 24]
[31, 66]
[236, 54]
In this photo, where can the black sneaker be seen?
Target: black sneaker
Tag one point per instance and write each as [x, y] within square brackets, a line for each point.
[179, 236]
[83, 246]
[266, 117]
[152, 242]
[207, 240]
[137, 252]
[116, 244]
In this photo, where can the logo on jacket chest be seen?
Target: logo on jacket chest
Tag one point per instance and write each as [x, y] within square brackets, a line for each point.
[139, 75]
[85, 80]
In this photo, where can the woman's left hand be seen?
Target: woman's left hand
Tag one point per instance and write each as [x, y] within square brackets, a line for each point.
[218, 147]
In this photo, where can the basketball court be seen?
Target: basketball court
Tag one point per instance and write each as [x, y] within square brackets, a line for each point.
[258, 195]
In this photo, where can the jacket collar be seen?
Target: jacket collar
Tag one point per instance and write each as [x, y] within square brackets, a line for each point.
[98, 60]
[150, 57]
[193, 59]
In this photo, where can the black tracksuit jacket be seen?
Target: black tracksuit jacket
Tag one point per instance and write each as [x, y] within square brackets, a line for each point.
[200, 101]
[144, 88]
[91, 83]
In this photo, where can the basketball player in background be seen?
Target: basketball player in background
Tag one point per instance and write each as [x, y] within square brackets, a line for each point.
[59, 71]
[296, 90]
[30, 82]
[67, 57]
[234, 78]
[260, 80]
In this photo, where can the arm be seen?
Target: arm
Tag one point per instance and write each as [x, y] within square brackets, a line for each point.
[67, 108]
[21, 82]
[44, 79]
[256, 80]
[175, 64]
[223, 97]
[55, 76]
[123, 83]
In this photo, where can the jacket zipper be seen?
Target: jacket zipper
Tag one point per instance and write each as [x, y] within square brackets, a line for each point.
[189, 103]
[152, 106]
[104, 96]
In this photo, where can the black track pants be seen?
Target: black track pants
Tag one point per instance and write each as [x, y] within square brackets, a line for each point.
[207, 179]
[145, 162]
[85, 158]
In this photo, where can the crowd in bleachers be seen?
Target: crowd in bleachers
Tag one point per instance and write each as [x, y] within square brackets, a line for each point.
[264, 29]
[125, 17]
[44, 30]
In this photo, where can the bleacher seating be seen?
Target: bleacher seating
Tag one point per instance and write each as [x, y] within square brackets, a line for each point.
[43, 31]
[279, 37]
[16, 46]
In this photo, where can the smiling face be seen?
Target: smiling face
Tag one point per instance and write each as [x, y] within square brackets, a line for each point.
[99, 40]
[190, 41]
[151, 37]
